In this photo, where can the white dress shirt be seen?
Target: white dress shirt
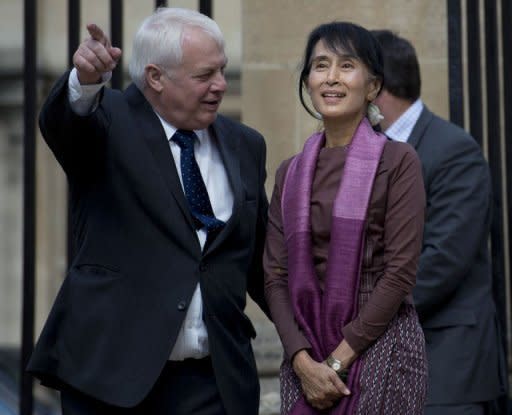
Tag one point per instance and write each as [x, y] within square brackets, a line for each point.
[402, 128]
[192, 341]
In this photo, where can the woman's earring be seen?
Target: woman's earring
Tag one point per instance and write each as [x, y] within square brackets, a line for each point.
[374, 115]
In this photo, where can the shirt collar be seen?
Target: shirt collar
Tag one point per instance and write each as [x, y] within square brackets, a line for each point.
[171, 129]
[402, 128]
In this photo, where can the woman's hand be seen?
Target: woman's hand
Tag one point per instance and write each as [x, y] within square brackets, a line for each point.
[321, 385]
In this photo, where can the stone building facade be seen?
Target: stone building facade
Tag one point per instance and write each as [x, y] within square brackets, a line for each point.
[265, 40]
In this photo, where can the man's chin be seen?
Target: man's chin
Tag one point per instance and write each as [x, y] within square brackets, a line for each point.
[210, 118]
[204, 122]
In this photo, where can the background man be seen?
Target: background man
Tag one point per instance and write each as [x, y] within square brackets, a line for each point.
[453, 293]
[168, 215]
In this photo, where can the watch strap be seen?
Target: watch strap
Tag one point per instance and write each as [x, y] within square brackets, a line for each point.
[337, 366]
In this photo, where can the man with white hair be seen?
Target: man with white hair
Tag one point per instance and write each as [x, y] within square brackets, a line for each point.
[168, 218]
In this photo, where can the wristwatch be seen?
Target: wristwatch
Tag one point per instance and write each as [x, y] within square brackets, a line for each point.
[336, 365]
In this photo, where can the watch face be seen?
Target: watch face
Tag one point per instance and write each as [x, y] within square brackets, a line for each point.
[336, 366]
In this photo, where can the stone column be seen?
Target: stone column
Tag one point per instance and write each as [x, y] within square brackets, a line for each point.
[11, 230]
[11, 152]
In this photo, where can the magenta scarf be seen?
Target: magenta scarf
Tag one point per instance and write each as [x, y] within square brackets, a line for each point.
[321, 316]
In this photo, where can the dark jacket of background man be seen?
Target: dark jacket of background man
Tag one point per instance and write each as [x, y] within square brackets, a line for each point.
[453, 293]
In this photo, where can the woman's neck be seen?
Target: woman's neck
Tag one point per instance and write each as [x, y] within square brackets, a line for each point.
[339, 134]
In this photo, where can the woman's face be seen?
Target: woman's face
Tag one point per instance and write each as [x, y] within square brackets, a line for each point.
[340, 85]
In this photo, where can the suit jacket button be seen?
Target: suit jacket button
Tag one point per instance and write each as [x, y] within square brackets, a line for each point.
[182, 305]
[202, 267]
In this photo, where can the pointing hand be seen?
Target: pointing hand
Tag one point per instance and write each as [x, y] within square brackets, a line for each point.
[95, 56]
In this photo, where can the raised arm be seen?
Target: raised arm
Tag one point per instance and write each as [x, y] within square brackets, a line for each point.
[71, 132]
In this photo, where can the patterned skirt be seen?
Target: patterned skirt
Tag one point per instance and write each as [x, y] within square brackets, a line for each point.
[393, 376]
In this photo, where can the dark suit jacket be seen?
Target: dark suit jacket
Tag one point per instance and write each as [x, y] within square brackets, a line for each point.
[138, 259]
[453, 293]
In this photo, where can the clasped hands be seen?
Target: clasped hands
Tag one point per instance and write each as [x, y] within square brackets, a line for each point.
[321, 385]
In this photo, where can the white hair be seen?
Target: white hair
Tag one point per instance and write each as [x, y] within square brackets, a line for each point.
[159, 39]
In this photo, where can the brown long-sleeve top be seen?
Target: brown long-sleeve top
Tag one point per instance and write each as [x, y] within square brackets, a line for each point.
[392, 244]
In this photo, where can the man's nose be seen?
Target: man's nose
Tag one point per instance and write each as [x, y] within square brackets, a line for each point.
[219, 83]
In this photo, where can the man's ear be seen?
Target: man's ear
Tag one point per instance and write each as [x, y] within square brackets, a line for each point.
[153, 75]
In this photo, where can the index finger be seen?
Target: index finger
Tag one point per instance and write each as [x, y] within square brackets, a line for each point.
[97, 34]
[339, 385]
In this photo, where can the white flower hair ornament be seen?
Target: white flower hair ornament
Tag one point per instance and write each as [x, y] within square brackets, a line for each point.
[374, 114]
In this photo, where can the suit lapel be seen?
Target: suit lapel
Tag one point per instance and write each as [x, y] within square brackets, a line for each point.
[228, 143]
[152, 131]
[419, 128]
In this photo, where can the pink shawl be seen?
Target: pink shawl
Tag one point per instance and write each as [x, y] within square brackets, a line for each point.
[321, 316]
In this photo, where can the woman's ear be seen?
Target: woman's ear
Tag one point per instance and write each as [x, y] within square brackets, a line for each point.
[153, 75]
[373, 88]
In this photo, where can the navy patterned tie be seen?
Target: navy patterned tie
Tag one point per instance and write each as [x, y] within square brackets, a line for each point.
[195, 189]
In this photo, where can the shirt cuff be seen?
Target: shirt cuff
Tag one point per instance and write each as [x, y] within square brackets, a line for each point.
[84, 99]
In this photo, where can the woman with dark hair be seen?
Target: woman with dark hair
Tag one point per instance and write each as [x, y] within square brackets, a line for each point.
[343, 240]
